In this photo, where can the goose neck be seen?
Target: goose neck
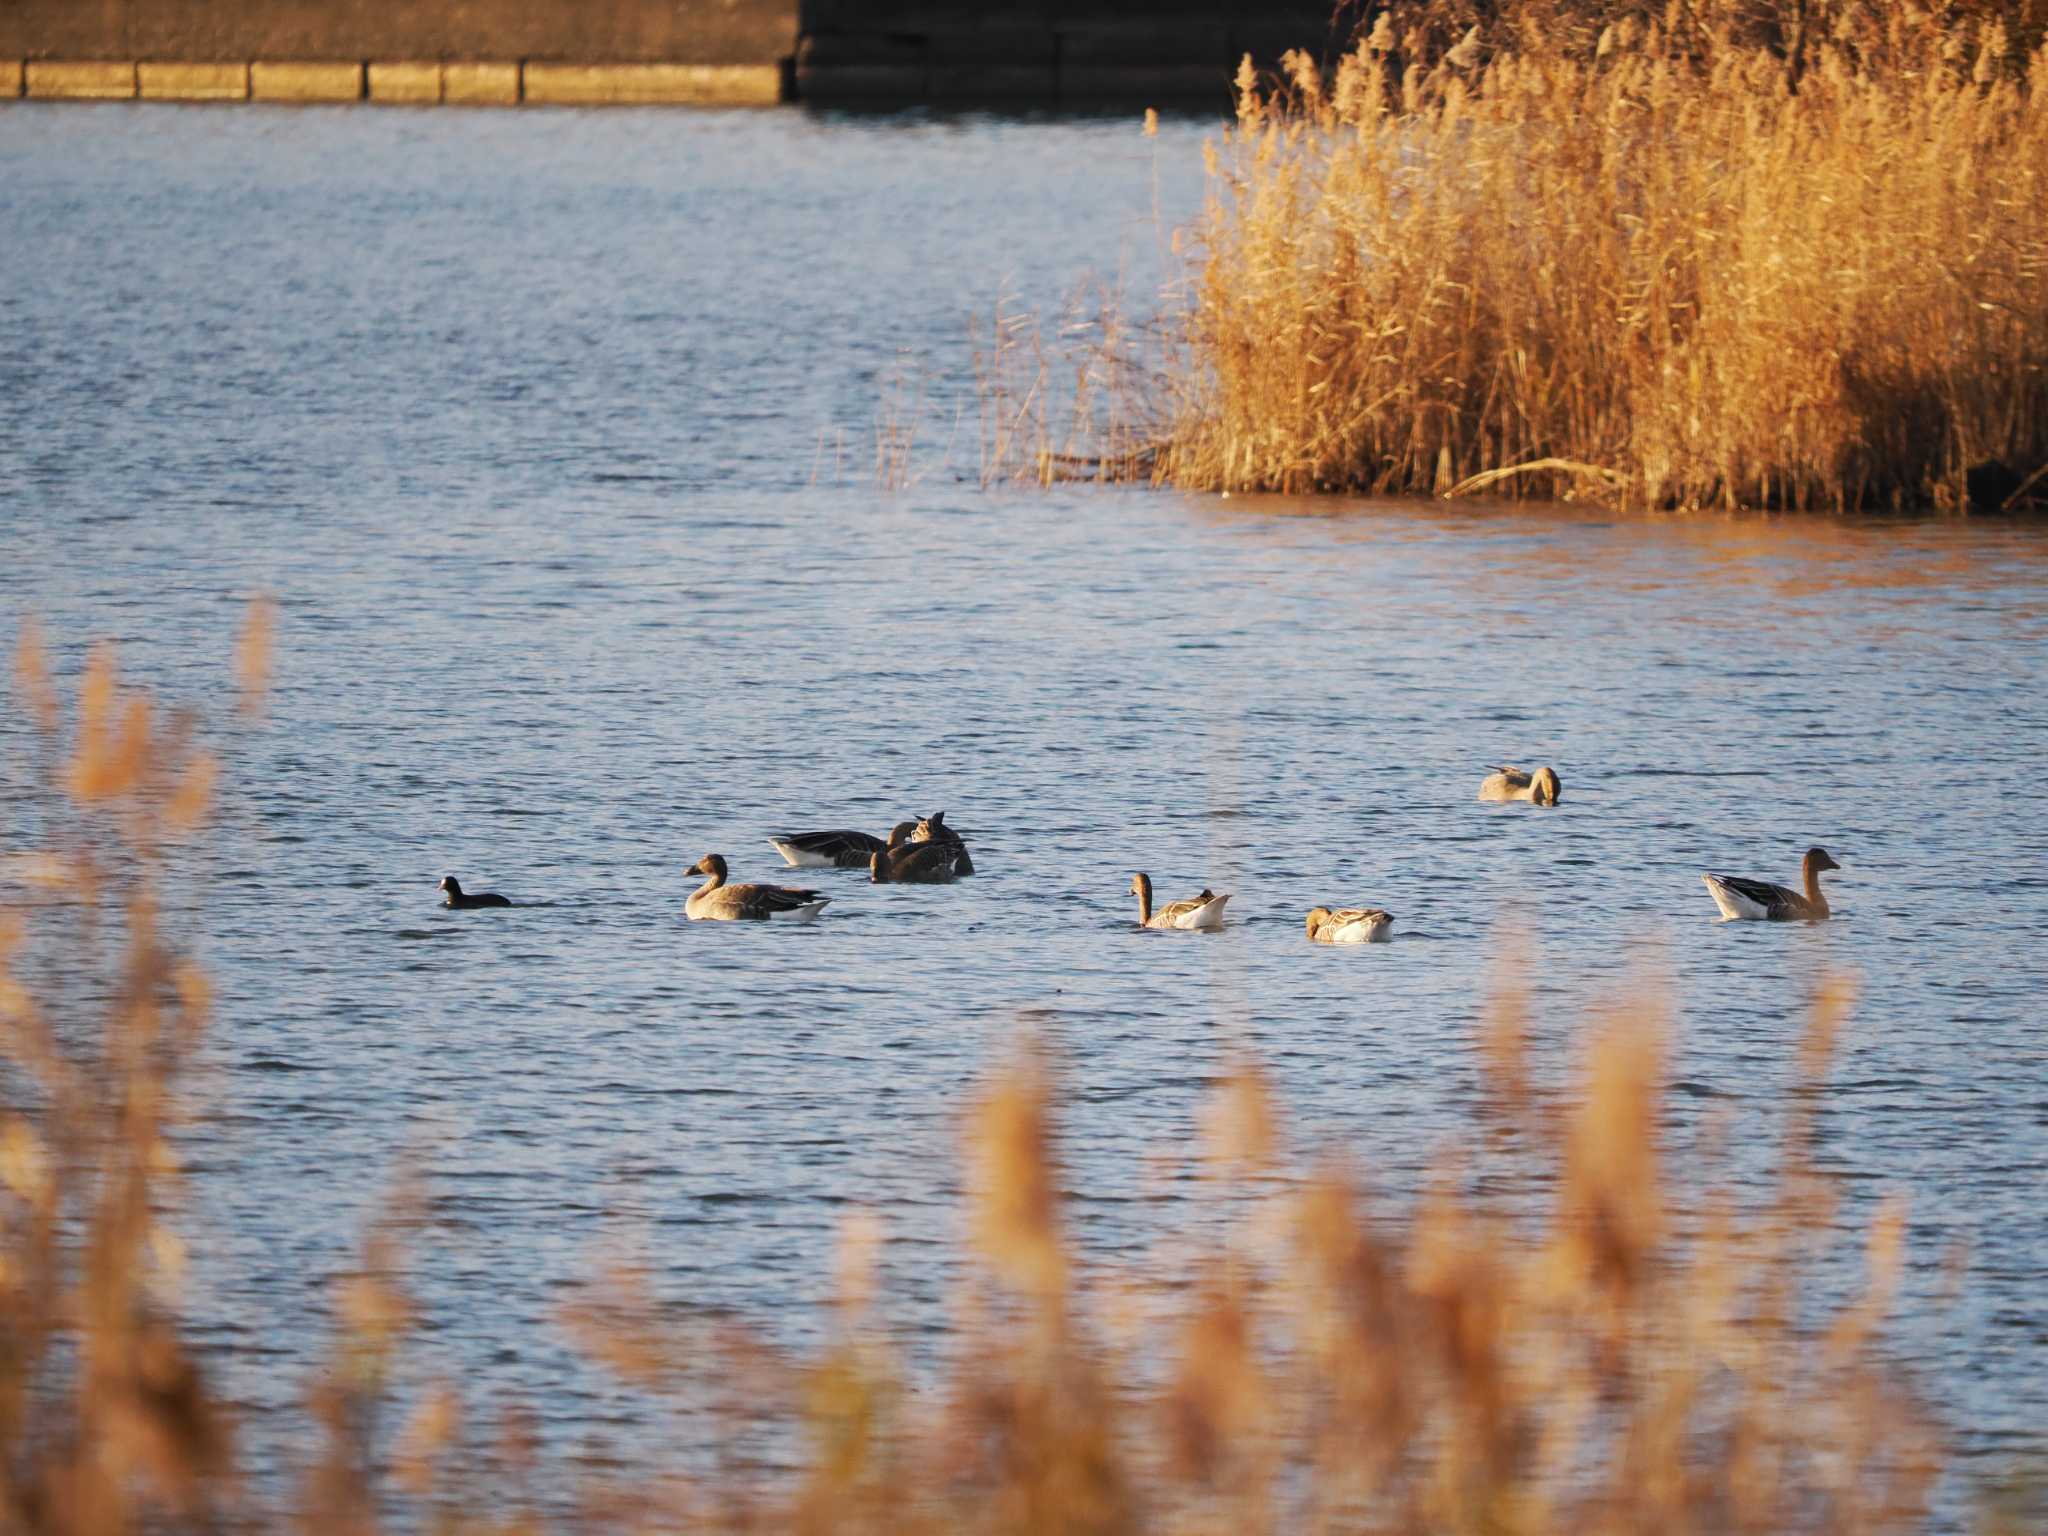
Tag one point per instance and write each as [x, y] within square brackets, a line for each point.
[1810, 871]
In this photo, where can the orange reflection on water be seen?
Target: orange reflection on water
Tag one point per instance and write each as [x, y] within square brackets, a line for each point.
[1751, 557]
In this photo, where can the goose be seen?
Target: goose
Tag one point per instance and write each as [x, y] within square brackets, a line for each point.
[842, 849]
[908, 862]
[1759, 900]
[1350, 925]
[933, 829]
[1204, 911]
[458, 897]
[1510, 783]
[716, 901]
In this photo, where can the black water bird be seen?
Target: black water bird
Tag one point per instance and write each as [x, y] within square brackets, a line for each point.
[458, 897]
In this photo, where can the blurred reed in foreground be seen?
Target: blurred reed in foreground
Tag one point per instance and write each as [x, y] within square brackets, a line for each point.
[103, 1412]
[1704, 253]
[1599, 1348]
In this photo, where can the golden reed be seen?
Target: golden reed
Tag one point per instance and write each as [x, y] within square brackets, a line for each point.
[1578, 1343]
[1768, 253]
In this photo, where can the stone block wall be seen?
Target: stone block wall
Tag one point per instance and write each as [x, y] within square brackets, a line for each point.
[755, 32]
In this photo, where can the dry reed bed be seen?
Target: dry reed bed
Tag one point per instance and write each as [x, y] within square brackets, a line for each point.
[1729, 252]
[1603, 1350]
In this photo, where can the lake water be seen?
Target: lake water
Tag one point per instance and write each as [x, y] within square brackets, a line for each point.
[554, 436]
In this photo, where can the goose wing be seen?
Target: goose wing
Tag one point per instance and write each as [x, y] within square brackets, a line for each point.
[1777, 901]
[842, 845]
[1506, 782]
[768, 900]
[1350, 915]
[925, 864]
[1203, 911]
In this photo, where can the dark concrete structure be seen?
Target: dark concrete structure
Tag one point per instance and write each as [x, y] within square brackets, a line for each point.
[1065, 52]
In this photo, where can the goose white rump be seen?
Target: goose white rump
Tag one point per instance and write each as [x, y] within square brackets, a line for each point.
[802, 858]
[839, 849]
[1207, 914]
[1203, 912]
[1735, 906]
[1351, 925]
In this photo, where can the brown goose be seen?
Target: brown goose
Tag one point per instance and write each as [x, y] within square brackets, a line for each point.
[933, 829]
[1760, 901]
[716, 901]
[1204, 911]
[905, 861]
[1508, 783]
[1350, 925]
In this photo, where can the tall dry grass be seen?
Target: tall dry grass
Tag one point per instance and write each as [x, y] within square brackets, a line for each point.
[1783, 253]
[1598, 1346]
[107, 1422]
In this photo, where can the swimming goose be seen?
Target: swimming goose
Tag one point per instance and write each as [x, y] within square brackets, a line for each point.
[933, 829]
[1759, 900]
[840, 849]
[1507, 783]
[1204, 911]
[458, 897]
[906, 861]
[717, 901]
[1350, 925]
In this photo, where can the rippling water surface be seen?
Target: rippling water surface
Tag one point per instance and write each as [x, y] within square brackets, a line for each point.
[554, 435]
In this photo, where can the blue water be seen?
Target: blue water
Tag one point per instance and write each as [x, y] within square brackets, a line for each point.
[555, 437]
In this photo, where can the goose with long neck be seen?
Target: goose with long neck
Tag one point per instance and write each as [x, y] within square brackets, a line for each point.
[716, 901]
[908, 862]
[1510, 783]
[1350, 925]
[1760, 901]
[1199, 912]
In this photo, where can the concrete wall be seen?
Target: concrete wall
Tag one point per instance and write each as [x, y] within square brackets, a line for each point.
[502, 52]
[237, 31]
[400, 82]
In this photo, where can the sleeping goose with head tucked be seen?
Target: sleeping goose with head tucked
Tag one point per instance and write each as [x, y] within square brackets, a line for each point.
[1199, 912]
[716, 901]
[906, 861]
[1760, 901]
[1510, 783]
[1350, 925]
[933, 829]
